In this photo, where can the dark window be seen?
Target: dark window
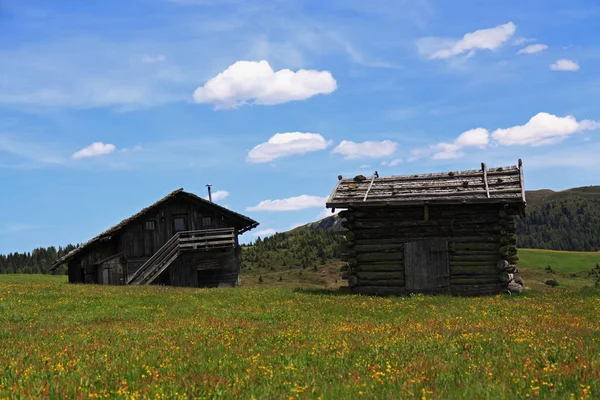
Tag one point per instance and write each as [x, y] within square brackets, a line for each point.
[179, 224]
[150, 225]
[207, 221]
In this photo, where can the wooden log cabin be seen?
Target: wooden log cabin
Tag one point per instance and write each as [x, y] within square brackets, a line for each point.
[181, 240]
[451, 232]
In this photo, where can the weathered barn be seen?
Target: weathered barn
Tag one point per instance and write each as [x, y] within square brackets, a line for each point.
[450, 232]
[181, 240]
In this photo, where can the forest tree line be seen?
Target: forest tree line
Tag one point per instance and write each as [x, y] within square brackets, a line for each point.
[571, 224]
[38, 261]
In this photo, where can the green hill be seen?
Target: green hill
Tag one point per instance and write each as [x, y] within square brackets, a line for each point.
[565, 220]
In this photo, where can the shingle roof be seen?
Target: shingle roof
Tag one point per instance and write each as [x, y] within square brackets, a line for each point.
[244, 223]
[493, 185]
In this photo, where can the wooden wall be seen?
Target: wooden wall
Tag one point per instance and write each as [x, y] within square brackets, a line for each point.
[83, 268]
[478, 237]
[137, 244]
[204, 269]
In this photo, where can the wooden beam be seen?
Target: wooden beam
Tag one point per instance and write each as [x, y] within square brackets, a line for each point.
[485, 180]
[521, 180]
[370, 186]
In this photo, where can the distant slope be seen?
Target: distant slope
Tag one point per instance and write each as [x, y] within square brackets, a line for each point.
[332, 222]
[560, 261]
[565, 220]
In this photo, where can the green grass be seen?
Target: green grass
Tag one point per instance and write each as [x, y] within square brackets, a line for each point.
[89, 341]
[26, 278]
[561, 261]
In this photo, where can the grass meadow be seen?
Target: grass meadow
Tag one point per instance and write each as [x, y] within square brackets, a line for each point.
[86, 341]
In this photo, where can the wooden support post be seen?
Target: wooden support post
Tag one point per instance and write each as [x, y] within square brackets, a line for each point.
[426, 213]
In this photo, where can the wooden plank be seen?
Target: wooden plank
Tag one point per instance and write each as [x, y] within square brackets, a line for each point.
[426, 264]
[444, 175]
[370, 186]
[415, 202]
[485, 180]
[521, 180]
[473, 182]
[415, 265]
[377, 195]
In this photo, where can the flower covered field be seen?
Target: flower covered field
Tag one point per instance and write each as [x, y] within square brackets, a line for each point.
[86, 341]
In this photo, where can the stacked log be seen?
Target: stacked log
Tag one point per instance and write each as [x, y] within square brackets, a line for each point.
[508, 252]
[373, 265]
[479, 236]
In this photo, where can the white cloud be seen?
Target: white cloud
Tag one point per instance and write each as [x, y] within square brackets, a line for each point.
[264, 232]
[364, 166]
[477, 137]
[418, 153]
[287, 144]
[257, 83]
[219, 195]
[564, 65]
[533, 48]
[95, 149]
[326, 213]
[290, 204]
[523, 40]
[368, 149]
[474, 137]
[484, 39]
[543, 129]
[446, 151]
[148, 59]
[392, 163]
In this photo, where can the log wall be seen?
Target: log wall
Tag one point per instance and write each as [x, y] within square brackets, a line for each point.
[480, 238]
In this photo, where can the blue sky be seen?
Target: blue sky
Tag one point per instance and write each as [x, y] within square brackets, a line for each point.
[107, 106]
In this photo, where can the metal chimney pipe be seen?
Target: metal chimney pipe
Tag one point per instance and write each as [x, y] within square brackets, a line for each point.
[209, 194]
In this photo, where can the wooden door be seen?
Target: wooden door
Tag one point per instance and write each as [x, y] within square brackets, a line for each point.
[106, 276]
[426, 264]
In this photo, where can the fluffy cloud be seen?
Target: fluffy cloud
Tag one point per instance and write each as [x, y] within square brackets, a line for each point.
[257, 83]
[95, 149]
[264, 232]
[368, 149]
[564, 65]
[477, 137]
[484, 39]
[219, 195]
[474, 137]
[287, 144]
[543, 129]
[290, 204]
[532, 49]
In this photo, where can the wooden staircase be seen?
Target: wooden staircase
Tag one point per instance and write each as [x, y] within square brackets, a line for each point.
[204, 240]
